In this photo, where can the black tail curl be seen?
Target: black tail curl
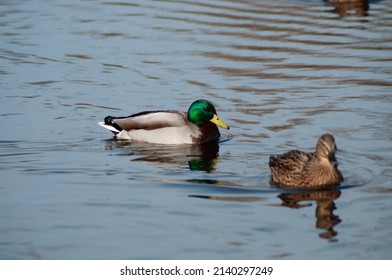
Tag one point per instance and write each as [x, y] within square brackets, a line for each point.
[109, 121]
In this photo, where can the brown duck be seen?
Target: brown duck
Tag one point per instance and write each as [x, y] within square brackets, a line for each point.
[307, 170]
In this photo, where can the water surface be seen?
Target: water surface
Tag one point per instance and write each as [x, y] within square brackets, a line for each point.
[280, 73]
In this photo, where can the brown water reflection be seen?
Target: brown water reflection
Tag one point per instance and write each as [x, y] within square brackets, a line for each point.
[357, 8]
[324, 211]
[263, 41]
[325, 218]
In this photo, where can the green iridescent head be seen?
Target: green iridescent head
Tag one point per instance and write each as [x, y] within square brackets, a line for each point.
[202, 111]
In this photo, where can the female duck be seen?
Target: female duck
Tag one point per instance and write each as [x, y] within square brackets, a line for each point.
[307, 170]
[197, 126]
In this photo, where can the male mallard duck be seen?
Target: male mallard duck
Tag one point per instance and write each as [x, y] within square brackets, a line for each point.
[305, 170]
[197, 126]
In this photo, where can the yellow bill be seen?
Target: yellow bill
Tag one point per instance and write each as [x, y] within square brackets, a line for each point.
[215, 119]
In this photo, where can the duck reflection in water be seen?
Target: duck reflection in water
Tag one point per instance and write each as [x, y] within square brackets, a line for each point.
[325, 206]
[325, 218]
[198, 157]
[344, 8]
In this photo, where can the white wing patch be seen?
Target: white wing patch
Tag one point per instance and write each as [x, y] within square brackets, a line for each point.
[111, 128]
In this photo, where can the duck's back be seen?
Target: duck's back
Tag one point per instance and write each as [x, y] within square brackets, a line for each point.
[289, 169]
[151, 120]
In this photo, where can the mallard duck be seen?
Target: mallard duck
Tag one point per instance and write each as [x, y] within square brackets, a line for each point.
[307, 170]
[197, 126]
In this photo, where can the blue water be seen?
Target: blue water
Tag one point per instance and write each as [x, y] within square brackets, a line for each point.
[280, 73]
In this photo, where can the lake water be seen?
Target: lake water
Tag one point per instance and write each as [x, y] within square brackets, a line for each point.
[280, 73]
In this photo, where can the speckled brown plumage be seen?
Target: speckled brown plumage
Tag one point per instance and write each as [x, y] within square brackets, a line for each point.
[307, 170]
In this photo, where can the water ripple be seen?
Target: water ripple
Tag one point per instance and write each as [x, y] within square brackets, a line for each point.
[280, 72]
